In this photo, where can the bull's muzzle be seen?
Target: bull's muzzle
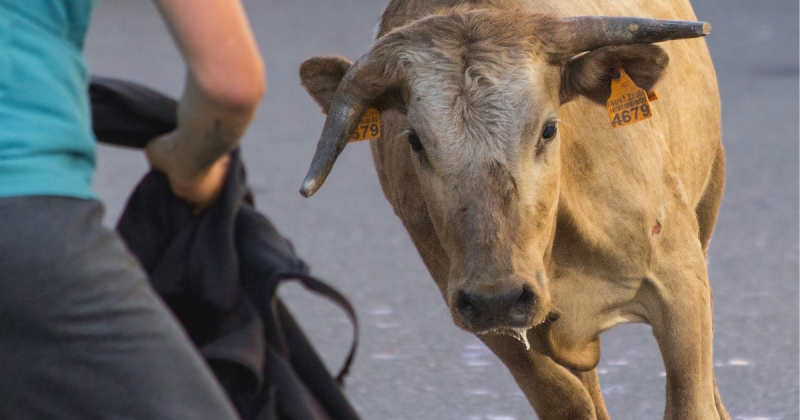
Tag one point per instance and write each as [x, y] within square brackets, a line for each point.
[510, 308]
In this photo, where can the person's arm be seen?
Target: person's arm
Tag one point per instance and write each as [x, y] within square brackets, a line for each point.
[224, 85]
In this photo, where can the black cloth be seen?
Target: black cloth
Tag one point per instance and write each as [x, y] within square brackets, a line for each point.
[128, 114]
[219, 273]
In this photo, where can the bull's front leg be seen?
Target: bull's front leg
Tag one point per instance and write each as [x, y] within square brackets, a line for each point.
[678, 302]
[553, 391]
[591, 382]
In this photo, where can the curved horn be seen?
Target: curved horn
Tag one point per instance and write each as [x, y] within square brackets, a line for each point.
[586, 33]
[363, 83]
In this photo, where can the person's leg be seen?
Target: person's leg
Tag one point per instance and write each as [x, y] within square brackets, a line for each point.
[82, 333]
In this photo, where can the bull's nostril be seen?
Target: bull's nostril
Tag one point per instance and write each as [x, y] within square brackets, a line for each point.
[465, 305]
[526, 297]
[525, 302]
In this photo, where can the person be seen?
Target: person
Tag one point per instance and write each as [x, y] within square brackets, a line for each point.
[82, 333]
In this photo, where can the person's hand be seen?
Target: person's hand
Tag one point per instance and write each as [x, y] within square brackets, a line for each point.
[198, 186]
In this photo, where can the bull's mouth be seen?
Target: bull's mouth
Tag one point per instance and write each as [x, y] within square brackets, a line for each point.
[521, 334]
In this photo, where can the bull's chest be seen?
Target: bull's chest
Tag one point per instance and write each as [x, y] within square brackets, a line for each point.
[598, 276]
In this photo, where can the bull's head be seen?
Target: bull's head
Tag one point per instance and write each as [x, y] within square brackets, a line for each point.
[480, 91]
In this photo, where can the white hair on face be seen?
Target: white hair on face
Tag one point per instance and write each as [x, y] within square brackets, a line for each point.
[486, 100]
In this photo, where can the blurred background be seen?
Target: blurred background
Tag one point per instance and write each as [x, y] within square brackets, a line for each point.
[413, 363]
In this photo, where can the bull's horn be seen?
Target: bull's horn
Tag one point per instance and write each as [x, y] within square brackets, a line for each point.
[586, 33]
[362, 84]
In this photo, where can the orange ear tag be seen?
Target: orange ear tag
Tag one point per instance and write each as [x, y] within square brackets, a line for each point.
[628, 103]
[369, 128]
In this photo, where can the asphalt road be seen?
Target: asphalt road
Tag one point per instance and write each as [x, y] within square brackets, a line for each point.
[413, 363]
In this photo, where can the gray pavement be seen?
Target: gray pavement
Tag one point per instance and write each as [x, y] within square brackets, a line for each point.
[413, 363]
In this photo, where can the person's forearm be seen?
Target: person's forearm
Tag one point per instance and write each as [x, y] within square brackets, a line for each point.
[224, 85]
[208, 127]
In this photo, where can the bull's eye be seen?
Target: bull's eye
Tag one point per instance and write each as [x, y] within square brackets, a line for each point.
[414, 141]
[549, 131]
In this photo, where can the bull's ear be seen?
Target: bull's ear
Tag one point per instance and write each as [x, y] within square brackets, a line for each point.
[590, 74]
[321, 76]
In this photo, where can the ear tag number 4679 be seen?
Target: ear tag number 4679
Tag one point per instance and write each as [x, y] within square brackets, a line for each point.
[628, 103]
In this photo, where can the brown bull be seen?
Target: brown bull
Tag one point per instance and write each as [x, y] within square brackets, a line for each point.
[538, 220]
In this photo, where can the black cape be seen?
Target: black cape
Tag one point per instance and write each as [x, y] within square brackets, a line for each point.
[219, 273]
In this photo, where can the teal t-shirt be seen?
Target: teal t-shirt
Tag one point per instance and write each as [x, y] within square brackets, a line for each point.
[46, 142]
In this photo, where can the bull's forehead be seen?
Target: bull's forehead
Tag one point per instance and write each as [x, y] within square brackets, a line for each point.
[475, 101]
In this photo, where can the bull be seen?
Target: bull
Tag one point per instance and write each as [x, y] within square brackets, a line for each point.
[541, 224]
